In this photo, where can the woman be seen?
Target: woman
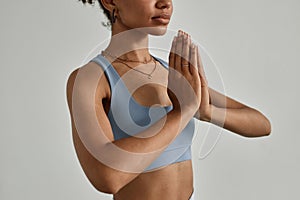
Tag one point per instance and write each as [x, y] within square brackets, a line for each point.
[138, 146]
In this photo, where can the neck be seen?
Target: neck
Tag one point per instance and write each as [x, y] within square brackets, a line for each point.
[129, 44]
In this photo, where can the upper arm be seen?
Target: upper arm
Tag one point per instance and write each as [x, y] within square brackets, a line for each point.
[86, 88]
[91, 128]
[220, 100]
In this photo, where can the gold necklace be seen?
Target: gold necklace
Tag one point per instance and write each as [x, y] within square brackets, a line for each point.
[124, 62]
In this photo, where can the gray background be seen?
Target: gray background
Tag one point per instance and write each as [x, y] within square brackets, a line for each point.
[254, 43]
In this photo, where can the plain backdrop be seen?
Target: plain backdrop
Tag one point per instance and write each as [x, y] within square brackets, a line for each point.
[255, 45]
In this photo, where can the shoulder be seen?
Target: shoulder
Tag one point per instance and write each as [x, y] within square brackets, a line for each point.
[89, 76]
[70, 85]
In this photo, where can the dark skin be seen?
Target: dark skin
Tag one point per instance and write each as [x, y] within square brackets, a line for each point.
[170, 182]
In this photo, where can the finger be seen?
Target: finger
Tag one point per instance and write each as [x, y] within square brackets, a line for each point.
[180, 32]
[185, 61]
[172, 54]
[193, 58]
[200, 67]
[178, 53]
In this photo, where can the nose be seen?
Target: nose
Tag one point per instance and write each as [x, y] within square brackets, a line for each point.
[164, 4]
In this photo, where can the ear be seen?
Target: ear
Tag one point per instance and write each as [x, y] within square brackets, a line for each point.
[108, 4]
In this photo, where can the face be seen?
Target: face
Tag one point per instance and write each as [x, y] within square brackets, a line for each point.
[152, 16]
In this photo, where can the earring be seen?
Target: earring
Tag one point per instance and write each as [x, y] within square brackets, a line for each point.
[113, 16]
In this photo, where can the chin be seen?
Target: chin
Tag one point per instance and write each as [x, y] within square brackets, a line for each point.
[155, 30]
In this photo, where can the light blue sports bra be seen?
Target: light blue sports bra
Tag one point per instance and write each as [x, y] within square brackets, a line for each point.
[127, 117]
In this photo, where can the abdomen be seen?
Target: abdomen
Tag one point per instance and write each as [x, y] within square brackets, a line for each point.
[173, 182]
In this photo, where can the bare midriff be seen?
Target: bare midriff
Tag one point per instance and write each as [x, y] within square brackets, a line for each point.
[172, 182]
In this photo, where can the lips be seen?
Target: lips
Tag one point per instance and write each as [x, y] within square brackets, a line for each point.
[162, 18]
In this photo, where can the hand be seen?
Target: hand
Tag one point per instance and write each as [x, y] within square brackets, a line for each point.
[184, 85]
[205, 108]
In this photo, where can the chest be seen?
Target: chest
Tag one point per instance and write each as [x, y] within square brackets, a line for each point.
[143, 91]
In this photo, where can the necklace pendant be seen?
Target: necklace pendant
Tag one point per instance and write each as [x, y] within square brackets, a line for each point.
[149, 76]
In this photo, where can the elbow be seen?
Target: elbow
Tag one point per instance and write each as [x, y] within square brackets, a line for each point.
[112, 187]
[268, 128]
[108, 188]
[264, 126]
[108, 184]
[263, 130]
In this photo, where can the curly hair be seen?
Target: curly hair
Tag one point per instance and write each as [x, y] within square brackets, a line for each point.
[105, 11]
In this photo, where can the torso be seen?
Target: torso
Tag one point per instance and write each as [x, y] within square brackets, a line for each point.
[175, 181]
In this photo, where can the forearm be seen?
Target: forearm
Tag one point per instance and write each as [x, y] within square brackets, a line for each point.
[153, 140]
[137, 153]
[245, 121]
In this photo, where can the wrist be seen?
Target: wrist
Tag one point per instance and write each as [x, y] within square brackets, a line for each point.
[207, 114]
[186, 111]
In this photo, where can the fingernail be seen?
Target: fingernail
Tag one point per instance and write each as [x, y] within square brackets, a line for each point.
[179, 33]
